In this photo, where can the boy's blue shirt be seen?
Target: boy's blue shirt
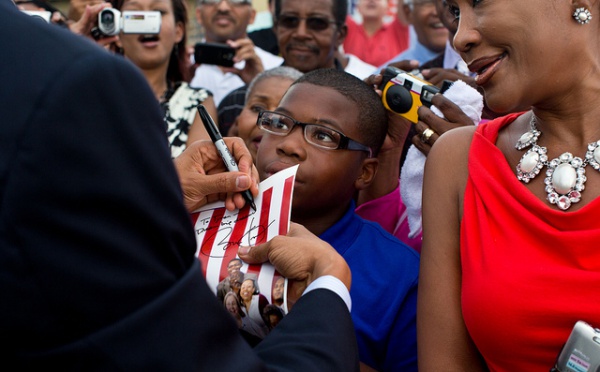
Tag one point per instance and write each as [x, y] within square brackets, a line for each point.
[385, 272]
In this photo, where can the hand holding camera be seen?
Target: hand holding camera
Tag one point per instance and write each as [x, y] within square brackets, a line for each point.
[403, 93]
[111, 22]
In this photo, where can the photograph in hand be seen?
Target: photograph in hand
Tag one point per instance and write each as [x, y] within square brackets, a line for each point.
[255, 295]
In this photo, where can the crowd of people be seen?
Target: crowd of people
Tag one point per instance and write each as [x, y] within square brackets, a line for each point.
[104, 158]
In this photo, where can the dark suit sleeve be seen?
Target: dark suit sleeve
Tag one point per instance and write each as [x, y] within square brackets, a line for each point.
[98, 249]
[317, 335]
[97, 265]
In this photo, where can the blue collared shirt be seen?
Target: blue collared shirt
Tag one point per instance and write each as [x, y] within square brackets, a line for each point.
[417, 51]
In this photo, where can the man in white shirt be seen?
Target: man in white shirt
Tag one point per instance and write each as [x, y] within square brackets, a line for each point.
[225, 22]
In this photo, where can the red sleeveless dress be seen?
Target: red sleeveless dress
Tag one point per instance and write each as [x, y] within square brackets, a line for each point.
[529, 271]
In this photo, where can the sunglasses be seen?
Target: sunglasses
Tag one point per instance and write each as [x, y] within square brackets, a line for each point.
[312, 23]
[233, 2]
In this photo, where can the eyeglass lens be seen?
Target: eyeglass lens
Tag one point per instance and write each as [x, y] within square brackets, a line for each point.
[314, 133]
[312, 23]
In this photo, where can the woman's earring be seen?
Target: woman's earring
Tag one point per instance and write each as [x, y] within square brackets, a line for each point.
[582, 16]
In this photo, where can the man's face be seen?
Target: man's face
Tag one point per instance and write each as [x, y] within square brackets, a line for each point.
[310, 43]
[325, 180]
[235, 281]
[278, 289]
[430, 31]
[234, 265]
[224, 21]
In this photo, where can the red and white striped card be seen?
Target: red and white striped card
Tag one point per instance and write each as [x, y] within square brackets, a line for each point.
[220, 232]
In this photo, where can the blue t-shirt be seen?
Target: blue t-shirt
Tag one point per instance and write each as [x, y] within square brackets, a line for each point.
[385, 272]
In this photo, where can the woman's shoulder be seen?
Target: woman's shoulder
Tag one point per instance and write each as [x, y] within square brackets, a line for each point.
[455, 142]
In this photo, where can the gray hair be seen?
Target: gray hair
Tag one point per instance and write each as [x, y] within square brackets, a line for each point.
[410, 3]
[283, 72]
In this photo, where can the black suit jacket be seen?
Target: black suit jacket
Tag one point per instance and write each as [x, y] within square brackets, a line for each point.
[97, 266]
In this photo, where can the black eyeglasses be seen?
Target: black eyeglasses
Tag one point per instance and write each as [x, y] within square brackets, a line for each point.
[233, 2]
[315, 134]
[313, 23]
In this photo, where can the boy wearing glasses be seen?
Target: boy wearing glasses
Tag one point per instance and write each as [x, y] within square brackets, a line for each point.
[333, 124]
[225, 22]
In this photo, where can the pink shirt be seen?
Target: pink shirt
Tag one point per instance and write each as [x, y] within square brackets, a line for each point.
[390, 212]
[389, 41]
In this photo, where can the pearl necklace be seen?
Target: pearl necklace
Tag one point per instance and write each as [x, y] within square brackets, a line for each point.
[565, 175]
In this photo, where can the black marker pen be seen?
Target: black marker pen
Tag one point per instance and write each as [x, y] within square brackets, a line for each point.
[228, 159]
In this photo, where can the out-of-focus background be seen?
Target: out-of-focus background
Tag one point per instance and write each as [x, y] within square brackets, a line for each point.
[263, 17]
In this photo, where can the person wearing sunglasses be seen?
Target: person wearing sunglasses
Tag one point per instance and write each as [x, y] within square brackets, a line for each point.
[225, 22]
[332, 125]
[310, 31]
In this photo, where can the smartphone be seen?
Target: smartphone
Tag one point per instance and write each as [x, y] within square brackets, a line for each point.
[214, 54]
[581, 352]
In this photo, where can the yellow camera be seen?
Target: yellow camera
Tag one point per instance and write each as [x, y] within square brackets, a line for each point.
[403, 93]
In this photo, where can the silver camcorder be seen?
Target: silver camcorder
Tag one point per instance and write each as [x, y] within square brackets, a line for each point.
[112, 22]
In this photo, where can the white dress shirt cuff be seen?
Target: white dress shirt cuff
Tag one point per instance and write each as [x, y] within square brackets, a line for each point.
[333, 284]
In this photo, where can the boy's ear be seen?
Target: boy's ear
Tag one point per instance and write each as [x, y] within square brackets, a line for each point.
[367, 174]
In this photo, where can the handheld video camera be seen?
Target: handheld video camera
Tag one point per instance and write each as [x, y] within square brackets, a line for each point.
[112, 22]
[403, 93]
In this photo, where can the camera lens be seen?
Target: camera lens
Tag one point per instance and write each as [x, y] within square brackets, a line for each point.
[108, 18]
[108, 21]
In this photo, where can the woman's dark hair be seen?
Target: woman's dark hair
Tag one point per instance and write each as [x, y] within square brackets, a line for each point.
[178, 61]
